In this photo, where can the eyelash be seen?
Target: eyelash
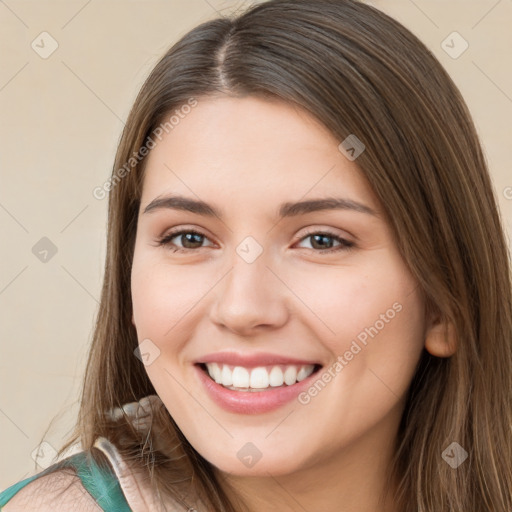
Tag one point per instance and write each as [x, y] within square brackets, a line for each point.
[345, 244]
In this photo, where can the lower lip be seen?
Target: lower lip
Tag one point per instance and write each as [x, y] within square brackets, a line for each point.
[252, 402]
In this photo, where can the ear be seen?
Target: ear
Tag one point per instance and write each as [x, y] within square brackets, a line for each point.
[441, 338]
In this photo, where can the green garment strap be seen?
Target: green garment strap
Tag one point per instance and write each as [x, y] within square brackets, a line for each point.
[100, 482]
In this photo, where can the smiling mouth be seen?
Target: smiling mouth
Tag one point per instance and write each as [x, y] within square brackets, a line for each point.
[260, 378]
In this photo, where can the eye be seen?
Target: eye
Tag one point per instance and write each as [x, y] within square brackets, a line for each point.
[320, 239]
[188, 237]
[191, 239]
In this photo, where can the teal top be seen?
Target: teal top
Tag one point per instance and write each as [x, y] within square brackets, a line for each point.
[100, 482]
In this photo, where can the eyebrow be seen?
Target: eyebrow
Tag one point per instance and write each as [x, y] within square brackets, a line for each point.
[290, 209]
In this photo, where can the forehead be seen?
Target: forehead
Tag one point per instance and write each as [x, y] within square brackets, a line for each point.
[253, 149]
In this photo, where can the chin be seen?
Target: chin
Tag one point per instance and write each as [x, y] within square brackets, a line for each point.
[248, 462]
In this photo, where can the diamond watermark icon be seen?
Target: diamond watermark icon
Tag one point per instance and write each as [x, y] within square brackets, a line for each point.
[454, 455]
[249, 249]
[455, 45]
[147, 352]
[351, 147]
[44, 250]
[44, 454]
[44, 45]
[249, 455]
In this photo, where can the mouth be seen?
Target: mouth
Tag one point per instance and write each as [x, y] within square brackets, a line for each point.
[259, 378]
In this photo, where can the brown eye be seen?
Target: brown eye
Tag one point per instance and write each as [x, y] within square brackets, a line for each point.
[323, 242]
[188, 239]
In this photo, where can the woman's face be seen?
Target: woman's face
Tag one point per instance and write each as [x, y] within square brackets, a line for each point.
[273, 285]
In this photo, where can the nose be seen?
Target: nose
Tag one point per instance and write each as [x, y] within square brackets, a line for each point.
[251, 298]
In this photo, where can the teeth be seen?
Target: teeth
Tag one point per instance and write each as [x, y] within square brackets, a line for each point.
[276, 377]
[261, 377]
[302, 374]
[240, 377]
[290, 375]
[226, 376]
[215, 373]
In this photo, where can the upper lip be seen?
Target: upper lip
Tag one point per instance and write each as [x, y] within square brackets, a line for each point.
[252, 360]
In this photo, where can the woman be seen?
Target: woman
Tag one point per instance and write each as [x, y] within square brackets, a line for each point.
[307, 296]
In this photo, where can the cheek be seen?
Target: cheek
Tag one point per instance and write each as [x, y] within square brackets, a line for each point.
[377, 319]
[385, 333]
[163, 294]
[372, 317]
[377, 299]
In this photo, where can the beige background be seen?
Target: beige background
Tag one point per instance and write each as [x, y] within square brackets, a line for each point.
[61, 118]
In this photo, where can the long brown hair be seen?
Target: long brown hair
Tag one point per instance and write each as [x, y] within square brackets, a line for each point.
[359, 72]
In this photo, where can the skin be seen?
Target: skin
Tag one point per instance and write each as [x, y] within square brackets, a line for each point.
[246, 156]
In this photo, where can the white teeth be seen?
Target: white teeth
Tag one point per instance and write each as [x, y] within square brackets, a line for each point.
[262, 377]
[290, 375]
[240, 377]
[303, 374]
[259, 378]
[227, 376]
[276, 377]
[215, 373]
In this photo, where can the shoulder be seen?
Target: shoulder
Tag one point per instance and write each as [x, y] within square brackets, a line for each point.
[58, 491]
